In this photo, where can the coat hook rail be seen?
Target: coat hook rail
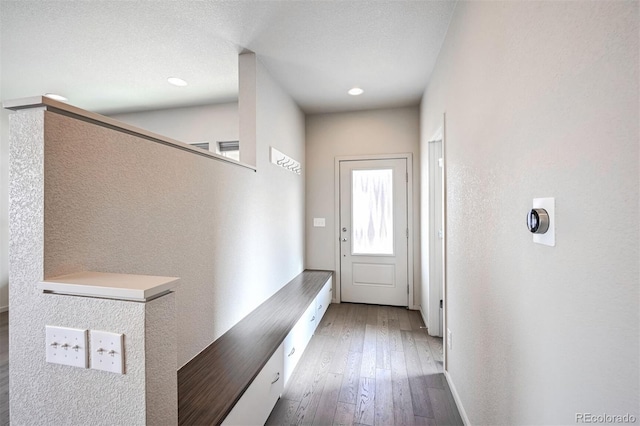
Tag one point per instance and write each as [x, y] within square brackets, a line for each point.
[283, 160]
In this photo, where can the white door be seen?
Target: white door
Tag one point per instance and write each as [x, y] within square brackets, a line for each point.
[374, 232]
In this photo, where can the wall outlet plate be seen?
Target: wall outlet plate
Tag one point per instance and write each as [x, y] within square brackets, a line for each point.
[549, 237]
[107, 351]
[319, 222]
[67, 346]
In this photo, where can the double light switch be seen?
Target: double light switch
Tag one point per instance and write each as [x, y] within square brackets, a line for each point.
[106, 351]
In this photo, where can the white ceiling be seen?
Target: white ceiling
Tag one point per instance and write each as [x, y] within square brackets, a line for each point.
[115, 56]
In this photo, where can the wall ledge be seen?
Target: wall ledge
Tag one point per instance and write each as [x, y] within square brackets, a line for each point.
[137, 288]
[101, 120]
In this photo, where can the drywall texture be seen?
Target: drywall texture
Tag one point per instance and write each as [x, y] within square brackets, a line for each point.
[117, 203]
[205, 123]
[161, 348]
[247, 105]
[44, 393]
[4, 210]
[4, 202]
[385, 131]
[541, 101]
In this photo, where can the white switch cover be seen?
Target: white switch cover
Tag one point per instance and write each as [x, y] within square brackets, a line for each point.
[107, 351]
[319, 222]
[67, 346]
[549, 237]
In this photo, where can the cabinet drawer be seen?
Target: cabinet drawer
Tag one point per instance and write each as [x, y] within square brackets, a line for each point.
[323, 300]
[256, 403]
[297, 340]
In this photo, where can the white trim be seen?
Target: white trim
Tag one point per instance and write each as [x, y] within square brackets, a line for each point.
[433, 316]
[410, 260]
[456, 398]
[445, 299]
[424, 318]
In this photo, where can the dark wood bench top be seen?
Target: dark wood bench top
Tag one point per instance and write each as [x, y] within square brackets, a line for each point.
[211, 383]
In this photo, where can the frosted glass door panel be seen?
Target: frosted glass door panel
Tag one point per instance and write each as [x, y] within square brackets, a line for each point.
[372, 210]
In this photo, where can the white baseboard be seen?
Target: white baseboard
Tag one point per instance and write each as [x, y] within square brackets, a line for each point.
[456, 398]
[424, 318]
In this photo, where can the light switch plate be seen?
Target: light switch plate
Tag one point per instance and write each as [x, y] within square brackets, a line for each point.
[319, 222]
[67, 346]
[549, 237]
[107, 351]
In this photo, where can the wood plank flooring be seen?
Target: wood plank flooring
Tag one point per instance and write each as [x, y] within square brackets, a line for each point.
[368, 365]
[4, 368]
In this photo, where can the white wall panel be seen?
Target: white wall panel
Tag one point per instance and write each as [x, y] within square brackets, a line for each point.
[541, 100]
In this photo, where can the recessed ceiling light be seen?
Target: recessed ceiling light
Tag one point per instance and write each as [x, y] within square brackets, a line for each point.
[56, 97]
[355, 91]
[177, 81]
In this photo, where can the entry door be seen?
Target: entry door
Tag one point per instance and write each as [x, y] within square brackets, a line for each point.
[373, 231]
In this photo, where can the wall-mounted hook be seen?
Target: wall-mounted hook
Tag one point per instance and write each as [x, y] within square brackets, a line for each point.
[280, 159]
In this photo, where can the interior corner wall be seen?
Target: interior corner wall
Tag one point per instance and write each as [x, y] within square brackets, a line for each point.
[541, 100]
[383, 131]
[202, 123]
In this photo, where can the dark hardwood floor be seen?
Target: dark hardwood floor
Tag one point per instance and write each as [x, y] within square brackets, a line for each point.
[368, 365]
[4, 368]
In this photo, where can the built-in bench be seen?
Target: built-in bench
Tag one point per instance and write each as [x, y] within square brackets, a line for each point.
[264, 343]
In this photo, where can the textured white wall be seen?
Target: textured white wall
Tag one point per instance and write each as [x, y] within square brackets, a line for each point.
[4, 210]
[116, 203]
[161, 348]
[541, 101]
[205, 123]
[384, 131]
[43, 393]
[4, 199]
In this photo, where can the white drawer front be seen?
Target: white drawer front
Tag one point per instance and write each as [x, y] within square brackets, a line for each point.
[311, 319]
[294, 345]
[323, 300]
[256, 403]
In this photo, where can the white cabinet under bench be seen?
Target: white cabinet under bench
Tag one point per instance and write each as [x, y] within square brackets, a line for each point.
[238, 379]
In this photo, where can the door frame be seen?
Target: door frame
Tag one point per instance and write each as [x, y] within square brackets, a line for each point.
[410, 252]
[433, 308]
[442, 134]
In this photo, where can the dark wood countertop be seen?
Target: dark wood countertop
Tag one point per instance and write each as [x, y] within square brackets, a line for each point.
[210, 384]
